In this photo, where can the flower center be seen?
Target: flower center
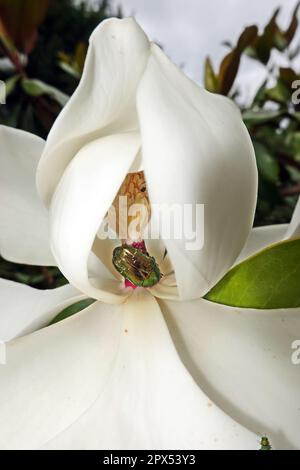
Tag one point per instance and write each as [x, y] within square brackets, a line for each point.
[131, 211]
[131, 214]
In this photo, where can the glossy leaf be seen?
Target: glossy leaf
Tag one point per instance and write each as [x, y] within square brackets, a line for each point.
[11, 83]
[259, 96]
[268, 167]
[261, 116]
[270, 279]
[279, 93]
[72, 310]
[210, 78]
[230, 64]
[73, 63]
[36, 88]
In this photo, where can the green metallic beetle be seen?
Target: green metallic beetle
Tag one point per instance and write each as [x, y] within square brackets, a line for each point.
[265, 444]
[136, 266]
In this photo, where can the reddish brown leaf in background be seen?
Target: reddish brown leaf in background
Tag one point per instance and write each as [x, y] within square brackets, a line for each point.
[288, 76]
[20, 20]
[274, 37]
[263, 44]
[230, 64]
[291, 30]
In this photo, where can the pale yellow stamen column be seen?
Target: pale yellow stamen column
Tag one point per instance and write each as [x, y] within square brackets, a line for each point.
[131, 209]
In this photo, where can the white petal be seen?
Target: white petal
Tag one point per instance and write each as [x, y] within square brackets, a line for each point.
[243, 360]
[157, 248]
[23, 219]
[165, 289]
[104, 100]
[294, 227]
[53, 375]
[260, 238]
[85, 193]
[108, 378]
[24, 309]
[196, 150]
[149, 400]
[103, 250]
[97, 269]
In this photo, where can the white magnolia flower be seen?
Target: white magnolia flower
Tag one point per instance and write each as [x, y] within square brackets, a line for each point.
[139, 368]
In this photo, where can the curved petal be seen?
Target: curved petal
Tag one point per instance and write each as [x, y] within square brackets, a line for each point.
[23, 219]
[84, 194]
[97, 269]
[165, 291]
[156, 248]
[104, 101]
[108, 378]
[243, 360]
[103, 250]
[53, 375]
[294, 227]
[149, 400]
[196, 150]
[261, 237]
[24, 309]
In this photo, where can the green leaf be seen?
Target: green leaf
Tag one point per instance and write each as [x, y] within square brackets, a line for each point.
[35, 87]
[73, 63]
[26, 119]
[293, 144]
[268, 167]
[210, 78]
[69, 69]
[279, 93]
[72, 310]
[268, 197]
[267, 280]
[261, 116]
[260, 94]
[11, 83]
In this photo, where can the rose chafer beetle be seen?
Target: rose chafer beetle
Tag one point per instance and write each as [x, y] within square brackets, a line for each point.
[136, 266]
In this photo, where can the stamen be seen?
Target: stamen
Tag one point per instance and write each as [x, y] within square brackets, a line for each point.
[132, 260]
[133, 191]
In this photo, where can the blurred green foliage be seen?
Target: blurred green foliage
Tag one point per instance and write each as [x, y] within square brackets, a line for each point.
[273, 120]
[43, 45]
[44, 72]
